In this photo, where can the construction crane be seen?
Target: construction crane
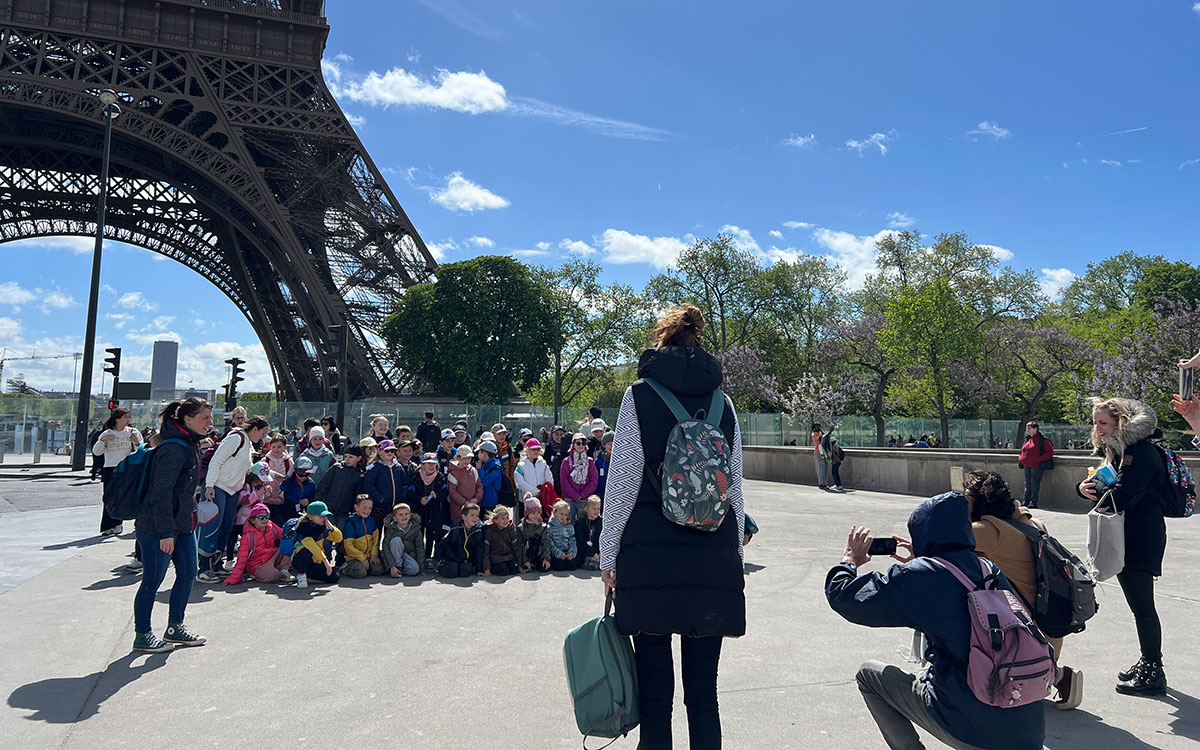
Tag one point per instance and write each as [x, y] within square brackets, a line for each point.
[4, 358]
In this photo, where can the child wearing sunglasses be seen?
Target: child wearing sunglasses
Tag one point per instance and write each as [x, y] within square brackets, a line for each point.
[258, 552]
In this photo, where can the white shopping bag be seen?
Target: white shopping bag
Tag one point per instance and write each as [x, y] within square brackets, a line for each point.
[1106, 540]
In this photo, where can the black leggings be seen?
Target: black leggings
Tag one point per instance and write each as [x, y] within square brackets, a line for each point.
[1138, 588]
[656, 687]
[304, 564]
[504, 568]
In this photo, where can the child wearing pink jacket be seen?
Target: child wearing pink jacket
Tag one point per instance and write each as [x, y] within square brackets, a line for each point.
[258, 553]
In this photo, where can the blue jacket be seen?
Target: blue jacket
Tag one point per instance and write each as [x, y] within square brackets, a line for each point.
[562, 539]
[387, 485]
[293, 493]
[602, 462]
[491, 475]
[926, 597]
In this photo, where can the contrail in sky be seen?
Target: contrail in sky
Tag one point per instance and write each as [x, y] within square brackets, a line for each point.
[1122, 132]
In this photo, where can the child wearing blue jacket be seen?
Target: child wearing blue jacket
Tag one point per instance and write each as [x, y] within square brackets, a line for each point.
[563, 549]
[491, 474]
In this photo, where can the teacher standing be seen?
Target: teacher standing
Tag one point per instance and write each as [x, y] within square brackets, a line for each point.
[672, 579]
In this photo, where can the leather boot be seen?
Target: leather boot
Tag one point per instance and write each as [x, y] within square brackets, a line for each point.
[1149, 680]
[1129, 673]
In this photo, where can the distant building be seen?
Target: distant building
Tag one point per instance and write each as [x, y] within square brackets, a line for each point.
[163, 368]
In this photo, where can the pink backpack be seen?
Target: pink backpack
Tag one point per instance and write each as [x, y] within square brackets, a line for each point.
[1010, 663]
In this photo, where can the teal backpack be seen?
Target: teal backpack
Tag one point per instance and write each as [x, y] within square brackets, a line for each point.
[694, 478]
[126, 488]
[602, 677]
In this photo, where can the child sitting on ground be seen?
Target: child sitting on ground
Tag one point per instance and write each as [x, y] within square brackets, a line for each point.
[587, 534]
[258, 554]
[463, 550]
[360, 542]
[310, 561]
[561, 533]
[535, 548]
[403, 543]
[503, 544]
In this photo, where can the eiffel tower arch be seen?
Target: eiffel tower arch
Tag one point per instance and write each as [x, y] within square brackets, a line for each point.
[231, 156]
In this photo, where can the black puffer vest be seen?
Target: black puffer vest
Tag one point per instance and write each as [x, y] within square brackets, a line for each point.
[672, 579]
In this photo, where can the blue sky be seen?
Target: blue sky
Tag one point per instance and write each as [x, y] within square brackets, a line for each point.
[1059, 132]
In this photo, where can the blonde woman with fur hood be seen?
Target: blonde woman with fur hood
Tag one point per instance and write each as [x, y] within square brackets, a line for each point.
[1122, 429]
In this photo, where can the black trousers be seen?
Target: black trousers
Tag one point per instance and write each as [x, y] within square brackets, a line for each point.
[451, 569]
[106, 521]
[656, 688]
[557, 564]
[303, 563]
[505, 568]
[1138, 588]
[434, 534]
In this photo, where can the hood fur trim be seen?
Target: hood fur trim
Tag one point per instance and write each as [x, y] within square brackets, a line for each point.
[1143, 423]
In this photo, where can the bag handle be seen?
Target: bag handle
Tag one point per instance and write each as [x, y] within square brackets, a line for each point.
[608, 604]
[962, 577]
[681, 414]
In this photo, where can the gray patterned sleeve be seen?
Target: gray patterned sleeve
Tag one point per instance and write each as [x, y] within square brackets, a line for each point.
[624, 481]
[735, 484]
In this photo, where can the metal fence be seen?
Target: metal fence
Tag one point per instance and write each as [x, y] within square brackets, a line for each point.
[24, 420]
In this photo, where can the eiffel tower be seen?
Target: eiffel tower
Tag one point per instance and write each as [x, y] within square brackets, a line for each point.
[231, 156]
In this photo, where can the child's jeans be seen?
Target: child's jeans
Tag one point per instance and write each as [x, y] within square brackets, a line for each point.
[266, 573]
[405, 563]
[457, 569]
[304, 564]
[576, 507]
[155, 570]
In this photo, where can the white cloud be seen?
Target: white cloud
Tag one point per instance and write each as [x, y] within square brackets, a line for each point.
[1055, 280]
[121, 319]
[742, 239]
[543, 246]
[12, 293]
[900, 220]
[9, 330]
[1196, 8]
[460, 194]
[597, 124]
[875, 140]
[786, 254]
[797, 225]
[988, 129]
[136, 301]
[776, 234]
[478, 241]
[149, 337]
[1189, 163]
[356, 121]
[577, 247]
[55, 300]
[621, 247]
[1110, 163]
[855, 254]
[74, 244]
[331, 71]
[1133, 161]
[802, 141]
[462, 91]
[414, 55]
[439, 249]
[530, 253]
[1002, 254]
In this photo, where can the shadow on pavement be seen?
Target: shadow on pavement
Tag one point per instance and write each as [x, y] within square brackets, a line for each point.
[1080, 730]
[121, 577]
[85, 542]
[1187, 714]
[754, 568]
[65, 700]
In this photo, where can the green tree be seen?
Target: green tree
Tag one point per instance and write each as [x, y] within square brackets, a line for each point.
[595, 327]
[927, 331]
[1108, 285]
[482, 326]
[1178, 282]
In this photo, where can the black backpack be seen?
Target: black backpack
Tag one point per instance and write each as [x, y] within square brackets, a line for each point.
[1066, 591]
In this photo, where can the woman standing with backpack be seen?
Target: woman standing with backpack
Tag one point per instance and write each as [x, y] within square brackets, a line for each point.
[166, 523]
[1121, 432]
[113, 445]
[672, 579]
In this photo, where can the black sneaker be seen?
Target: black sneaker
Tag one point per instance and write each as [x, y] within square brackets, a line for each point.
[1149, 680]
[181, 636]
[149, 643]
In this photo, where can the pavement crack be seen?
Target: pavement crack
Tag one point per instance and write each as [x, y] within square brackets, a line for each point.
[818, 683]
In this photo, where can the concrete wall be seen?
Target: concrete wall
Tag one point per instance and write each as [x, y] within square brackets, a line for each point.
[924, 472]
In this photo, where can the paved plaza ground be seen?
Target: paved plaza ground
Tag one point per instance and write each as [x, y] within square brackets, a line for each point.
[435, 664]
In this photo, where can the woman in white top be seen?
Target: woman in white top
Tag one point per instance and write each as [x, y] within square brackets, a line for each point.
[116, 442]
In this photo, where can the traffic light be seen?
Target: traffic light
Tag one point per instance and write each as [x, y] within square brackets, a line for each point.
[336, 346]
[235, 377]
[113, 403]
[112, 363]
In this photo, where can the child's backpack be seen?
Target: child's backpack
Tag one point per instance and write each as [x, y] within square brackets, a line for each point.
[1010, 663]
[1180, 499]
[208, 530]
[602, 677]
[126, 488]
[287, 537]
[1066, 591]
[694, 478]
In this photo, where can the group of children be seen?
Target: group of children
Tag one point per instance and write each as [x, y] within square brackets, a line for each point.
[378, 512]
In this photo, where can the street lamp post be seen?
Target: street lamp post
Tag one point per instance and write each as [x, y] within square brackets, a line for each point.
[111, 110]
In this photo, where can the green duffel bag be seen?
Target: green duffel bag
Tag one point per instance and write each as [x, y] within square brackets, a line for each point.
[602, 677]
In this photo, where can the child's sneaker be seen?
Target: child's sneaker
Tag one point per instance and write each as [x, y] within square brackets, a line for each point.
[301, 581]
[134, 567]
[181, 636]
[208, 576]
[149, 643]
[286, 577]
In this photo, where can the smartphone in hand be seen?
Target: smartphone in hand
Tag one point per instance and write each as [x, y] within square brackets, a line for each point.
[881, 547]
[1187, 384]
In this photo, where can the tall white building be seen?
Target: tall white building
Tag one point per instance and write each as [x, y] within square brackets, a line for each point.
[163, 368]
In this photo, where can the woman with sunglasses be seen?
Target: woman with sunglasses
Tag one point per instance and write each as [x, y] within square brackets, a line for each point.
[673, 579]
[578, 475]
[258, 553]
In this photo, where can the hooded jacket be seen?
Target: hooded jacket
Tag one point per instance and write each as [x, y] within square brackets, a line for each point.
[1141, 484]
[465, 545]
[435, 511]
[490, 477]
[387, 485]
[413, 538]
[463, 486]
[339, 488]
[925, 596]
[534, 544]
[169, 506]
[672, 579]
[311, 536]
[530, 476]
[503, 545]
[562, 539]
[256, 548]
[322, 461]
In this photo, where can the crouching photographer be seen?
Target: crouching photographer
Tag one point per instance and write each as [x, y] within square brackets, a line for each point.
[925, 595]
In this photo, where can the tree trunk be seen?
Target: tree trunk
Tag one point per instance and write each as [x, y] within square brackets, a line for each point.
[558, 386]
[877, 410]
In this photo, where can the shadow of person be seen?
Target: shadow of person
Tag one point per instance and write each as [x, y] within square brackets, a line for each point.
[754, 568]
[86, 542]
[65, 700]
[121, 577]
[1080, 730]
[1186, 722]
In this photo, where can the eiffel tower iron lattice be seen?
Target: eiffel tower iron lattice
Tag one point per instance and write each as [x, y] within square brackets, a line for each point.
[231, 157]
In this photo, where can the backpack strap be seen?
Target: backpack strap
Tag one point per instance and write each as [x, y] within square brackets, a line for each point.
[984, 565]
[681, 414]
